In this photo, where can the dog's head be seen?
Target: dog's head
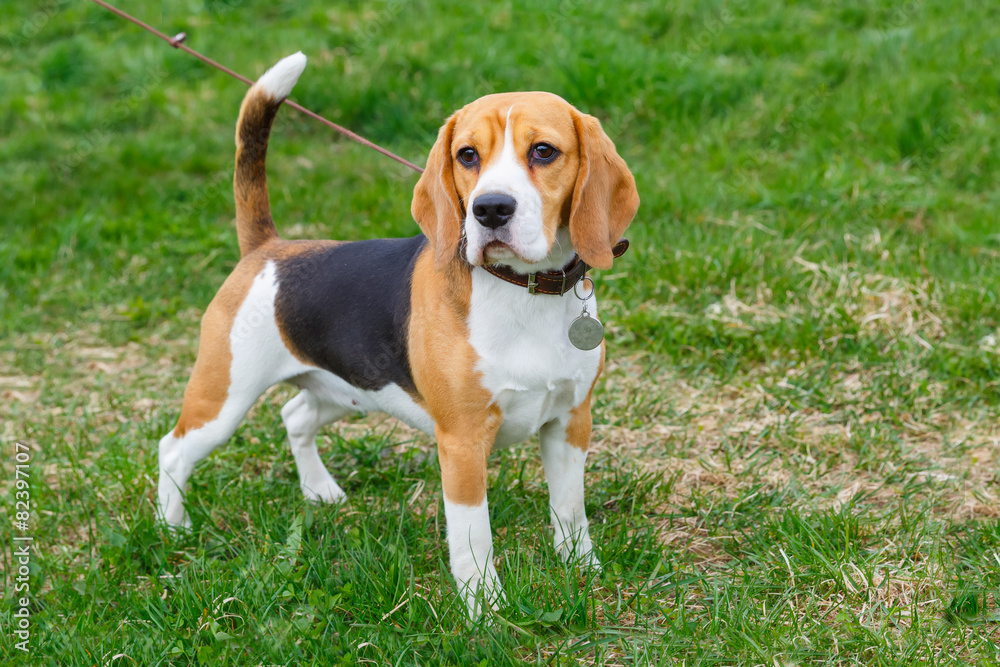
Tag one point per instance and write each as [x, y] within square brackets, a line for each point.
[526, 175]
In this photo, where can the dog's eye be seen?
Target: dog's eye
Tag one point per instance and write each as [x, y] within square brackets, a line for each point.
[468, 156]
[543, 153]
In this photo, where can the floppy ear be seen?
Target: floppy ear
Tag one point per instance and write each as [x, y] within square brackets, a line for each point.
[604, 199]
[435, 204]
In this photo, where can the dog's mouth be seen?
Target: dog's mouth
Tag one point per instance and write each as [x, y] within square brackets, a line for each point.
[495, 250]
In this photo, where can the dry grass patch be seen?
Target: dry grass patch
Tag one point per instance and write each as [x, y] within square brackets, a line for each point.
[746, 434]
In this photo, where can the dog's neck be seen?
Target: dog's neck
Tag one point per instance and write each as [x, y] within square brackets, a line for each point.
[544, 282]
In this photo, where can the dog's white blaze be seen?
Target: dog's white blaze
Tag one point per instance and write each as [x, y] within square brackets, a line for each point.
[280, 79]
[525, 233]
[527, 362]
[470, 547]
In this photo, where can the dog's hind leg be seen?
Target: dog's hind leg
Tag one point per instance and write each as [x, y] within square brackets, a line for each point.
[181, 450]
[240, 355]
[304, 415]
[208, 419]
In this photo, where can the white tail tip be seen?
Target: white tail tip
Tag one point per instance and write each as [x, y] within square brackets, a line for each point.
[280, 79]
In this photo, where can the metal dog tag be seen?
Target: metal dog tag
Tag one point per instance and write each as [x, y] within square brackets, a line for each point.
[586, 332]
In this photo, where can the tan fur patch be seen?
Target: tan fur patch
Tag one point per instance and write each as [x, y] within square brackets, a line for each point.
[208, 387]
[254, 226]
[435, 205]
[604, 198]
[580, 420]
[443, 364]
[463, 458]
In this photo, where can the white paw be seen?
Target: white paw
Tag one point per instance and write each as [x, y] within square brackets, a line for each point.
[183, 526]
[323, 490]
[478, 591]
[580, 554]
[170, 510]
[175, 521]
[590, 562]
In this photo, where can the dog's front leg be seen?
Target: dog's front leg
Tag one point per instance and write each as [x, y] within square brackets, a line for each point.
[463, 456]
[564, 442]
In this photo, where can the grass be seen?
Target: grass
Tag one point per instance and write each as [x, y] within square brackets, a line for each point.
[795, 454]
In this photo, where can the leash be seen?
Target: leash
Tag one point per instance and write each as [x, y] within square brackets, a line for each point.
[176, 42]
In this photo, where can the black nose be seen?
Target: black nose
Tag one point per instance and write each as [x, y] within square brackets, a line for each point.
[494, 210]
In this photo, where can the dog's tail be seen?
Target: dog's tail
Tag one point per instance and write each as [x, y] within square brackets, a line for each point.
[254, 225]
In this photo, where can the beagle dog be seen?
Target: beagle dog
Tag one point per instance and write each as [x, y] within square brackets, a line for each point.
[437, 330]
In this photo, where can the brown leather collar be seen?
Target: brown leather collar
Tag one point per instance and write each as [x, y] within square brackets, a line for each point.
[547, 282]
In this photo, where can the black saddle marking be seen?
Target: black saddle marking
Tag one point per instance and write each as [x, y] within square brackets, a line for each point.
[346, 308]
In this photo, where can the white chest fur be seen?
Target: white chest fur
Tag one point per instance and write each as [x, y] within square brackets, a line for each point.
[526, 359]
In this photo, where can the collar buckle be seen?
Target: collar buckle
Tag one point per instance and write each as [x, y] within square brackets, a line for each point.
[533, 284]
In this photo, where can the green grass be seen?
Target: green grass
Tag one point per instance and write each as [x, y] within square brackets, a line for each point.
[795, 453]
